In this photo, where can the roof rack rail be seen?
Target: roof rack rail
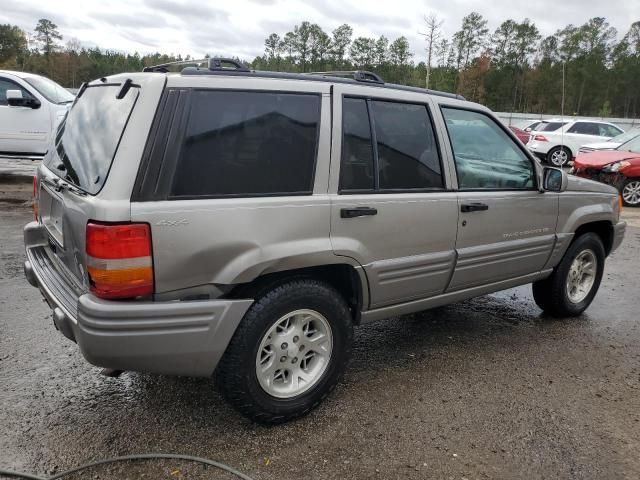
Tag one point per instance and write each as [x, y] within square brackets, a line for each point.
[164, 67]
[357, 75]
[218, 63]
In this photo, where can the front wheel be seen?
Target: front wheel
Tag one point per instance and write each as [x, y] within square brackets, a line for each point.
[288, 353]
[575, 281]
[558, 156]
[630, 192]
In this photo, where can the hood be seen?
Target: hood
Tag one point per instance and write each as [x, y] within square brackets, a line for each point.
[579, 184]
[601, 158]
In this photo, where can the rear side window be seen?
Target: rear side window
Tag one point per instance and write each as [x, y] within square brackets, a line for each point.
[584, 128]
[407, 152]
[356, 171]
[88, 137]
[248, 143]
[388, 146]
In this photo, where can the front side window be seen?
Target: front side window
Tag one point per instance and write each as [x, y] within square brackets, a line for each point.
[485, 156]
[404, 155]
[248, 143]
[9, 85]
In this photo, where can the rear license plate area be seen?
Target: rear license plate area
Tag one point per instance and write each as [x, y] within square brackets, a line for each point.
[51, 207]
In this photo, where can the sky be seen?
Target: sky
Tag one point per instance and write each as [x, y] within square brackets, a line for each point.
[239, 27]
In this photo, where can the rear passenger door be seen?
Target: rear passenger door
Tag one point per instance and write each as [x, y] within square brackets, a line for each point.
[507, 227]
[581, 133]
[391, 208]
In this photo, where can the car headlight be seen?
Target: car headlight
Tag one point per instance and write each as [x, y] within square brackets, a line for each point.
[615, 167]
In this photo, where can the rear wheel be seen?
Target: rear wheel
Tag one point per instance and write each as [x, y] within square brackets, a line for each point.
[558, 156]
[288, 353]
[630, 192]
[575, 281]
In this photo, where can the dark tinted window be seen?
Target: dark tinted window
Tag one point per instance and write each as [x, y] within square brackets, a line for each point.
[550, 126]
[356, 170]
[87, 139]
[485, 156]
[248, 143]
[584, 128]
[407, 152]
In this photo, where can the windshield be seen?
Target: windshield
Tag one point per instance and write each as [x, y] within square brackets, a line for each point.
[632, 145]
[50, 90]
[625, 137]
[88, 137]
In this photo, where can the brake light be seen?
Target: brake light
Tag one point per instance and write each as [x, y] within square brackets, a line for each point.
[540, 138]
[119, 259]
[35, 197]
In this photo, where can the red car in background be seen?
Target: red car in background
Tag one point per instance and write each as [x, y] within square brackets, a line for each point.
[521, 134]
[619, 167]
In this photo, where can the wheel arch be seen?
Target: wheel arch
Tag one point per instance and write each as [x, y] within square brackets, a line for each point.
[602, 228]
[349, 280]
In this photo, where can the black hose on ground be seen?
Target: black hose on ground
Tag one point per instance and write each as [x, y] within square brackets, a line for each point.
[127, 458]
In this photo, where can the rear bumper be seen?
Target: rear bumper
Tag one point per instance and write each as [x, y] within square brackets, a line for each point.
[176, 338]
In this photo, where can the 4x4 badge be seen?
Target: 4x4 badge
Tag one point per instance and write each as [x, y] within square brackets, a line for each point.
[172, 223]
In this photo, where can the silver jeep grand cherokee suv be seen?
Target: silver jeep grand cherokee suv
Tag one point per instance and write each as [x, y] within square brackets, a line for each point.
[239, 223]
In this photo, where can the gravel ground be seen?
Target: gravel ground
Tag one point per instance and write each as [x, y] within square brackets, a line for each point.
[487, 388]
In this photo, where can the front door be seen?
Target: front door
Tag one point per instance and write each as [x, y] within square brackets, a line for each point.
[392, 212]
[22, 129]
[506, 226]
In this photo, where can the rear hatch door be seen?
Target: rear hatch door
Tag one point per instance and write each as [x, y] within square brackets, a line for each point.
[71, 182]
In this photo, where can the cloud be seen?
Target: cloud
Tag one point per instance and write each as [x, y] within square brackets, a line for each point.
[239, 27]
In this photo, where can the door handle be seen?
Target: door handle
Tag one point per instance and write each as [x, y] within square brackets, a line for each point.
[358, 212]
[473, 207]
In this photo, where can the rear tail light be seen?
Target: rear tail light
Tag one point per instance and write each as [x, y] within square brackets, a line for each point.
[35, 197]
[540, 138]
[119, 259]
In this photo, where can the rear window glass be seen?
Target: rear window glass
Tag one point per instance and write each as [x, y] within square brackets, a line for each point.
[88, 137]
[248, 143]
[550, 126]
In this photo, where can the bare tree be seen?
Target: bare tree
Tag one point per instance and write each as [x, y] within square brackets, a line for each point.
[432, 35]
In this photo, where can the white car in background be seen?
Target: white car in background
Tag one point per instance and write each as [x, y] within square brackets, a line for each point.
[559, 140]
[31, 106]
[612, 143]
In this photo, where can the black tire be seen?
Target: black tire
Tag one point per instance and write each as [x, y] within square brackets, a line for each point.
[556, 150]
[551, 293]
[630, 182]
[236, 374]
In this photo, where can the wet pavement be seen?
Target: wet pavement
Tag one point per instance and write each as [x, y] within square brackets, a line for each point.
[488, 388]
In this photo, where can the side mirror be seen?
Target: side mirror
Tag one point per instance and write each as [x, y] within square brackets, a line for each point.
[15, 99]
[554, 179]
[528, 129]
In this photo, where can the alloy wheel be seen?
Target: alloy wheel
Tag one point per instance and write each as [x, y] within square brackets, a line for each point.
[294, 353]
[631, 193]
[581, 276]
[559, 157]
